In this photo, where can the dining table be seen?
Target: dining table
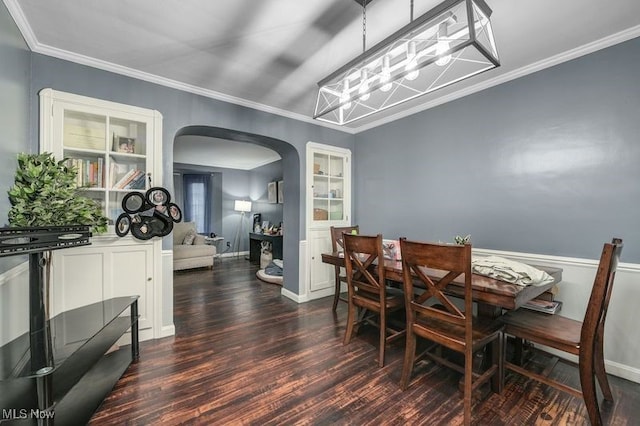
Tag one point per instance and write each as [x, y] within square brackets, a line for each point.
[490, 294]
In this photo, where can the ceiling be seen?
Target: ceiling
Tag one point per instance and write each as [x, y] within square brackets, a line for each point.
[270, 54]
[215, 152]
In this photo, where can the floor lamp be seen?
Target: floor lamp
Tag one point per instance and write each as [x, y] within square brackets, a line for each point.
[242, 207]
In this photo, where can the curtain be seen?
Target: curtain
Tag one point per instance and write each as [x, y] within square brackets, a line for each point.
[197, 207]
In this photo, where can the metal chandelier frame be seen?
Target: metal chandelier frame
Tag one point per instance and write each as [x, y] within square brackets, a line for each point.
[449, 43]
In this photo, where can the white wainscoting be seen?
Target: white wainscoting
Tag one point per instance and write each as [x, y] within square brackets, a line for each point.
[622, 333]
[14, 303]
[164, 325]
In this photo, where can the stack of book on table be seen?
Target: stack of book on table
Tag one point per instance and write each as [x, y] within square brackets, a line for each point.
[546, 306]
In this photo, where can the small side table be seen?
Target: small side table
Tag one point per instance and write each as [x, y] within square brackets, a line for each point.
[214, 241]
[255, 241]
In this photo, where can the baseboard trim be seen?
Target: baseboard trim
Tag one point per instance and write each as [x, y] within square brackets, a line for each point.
[234, 254]
[291, 295]
[166, 331]
[614, 368]
[621, 370]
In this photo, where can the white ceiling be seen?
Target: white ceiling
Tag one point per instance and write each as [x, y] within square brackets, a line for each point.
[214, 152]
[269, 54]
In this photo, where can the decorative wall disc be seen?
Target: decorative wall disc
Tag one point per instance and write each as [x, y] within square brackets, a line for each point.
[123, 224]
[133, 202]
[149, 215]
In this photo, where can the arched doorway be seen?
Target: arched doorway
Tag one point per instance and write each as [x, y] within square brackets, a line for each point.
[291, 178]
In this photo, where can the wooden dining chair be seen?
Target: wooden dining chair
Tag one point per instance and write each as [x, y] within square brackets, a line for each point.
[434, 316]
[336, 245]
[582, 338]
[366, 283]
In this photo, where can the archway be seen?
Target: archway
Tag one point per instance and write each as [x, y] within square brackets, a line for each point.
[291, 178]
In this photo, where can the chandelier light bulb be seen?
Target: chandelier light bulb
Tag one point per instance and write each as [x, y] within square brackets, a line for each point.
[345, 96]
[442, 46]
[363, 90]
[385, 75]
[412, 62]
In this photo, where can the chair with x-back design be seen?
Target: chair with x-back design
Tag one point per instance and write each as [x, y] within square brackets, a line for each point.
[364, 263]
[585, 339]
[337, 245]
[434, 316]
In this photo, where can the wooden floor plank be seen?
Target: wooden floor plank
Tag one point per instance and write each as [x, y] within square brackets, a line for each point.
[244, 354]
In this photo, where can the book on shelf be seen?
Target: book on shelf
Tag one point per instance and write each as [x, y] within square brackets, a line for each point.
[100, 173]
[84, 137]
[89, 172]
[138, 182]
[546, 306]
[117, 171]
[128, 178]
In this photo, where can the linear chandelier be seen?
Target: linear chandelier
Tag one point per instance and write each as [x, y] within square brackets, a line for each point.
[451, 42]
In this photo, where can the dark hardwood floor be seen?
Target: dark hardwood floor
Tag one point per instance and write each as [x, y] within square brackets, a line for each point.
[244, 354]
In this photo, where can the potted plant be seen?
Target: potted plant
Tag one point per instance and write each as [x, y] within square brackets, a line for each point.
[45, 193]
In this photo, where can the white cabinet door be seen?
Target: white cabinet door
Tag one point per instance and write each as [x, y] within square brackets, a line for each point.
[328, 188]
[131, 269]
[322, 274]
[78, 277]
[85, 275]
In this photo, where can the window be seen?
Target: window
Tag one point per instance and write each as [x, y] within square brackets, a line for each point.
[197, 207]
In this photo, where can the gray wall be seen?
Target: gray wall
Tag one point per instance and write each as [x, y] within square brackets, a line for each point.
[14, 138]
[547, 163]
[239, 185]
[182, 109]
[14, 112]
[260, 178]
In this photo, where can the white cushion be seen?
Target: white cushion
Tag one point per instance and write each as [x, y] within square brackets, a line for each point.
[184, 252]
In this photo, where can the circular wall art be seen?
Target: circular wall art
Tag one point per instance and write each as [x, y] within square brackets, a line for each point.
[133, 202]
[175, 212]
[149, 215]
[158, 196]
[123, 224]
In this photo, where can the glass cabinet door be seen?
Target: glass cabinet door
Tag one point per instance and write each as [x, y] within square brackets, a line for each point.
[110, 153]
[127, 161]
[328, 187]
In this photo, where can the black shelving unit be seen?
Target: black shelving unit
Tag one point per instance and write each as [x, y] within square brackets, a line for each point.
[255, 241]
[59, 372]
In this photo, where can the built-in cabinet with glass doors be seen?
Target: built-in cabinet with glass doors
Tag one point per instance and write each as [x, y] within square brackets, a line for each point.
[111, 150]
[328, 204]
[116, 150]
[329, 186]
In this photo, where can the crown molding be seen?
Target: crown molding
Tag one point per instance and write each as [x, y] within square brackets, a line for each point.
[602, 43]
[174, 84]
[21, 21]
[35, 46]
[31, 40]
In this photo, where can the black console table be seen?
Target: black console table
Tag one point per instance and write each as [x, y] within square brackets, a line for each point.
[254, 246]
[59, 372]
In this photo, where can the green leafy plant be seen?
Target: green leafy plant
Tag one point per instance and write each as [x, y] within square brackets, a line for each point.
[45, 193]
[462, 240]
